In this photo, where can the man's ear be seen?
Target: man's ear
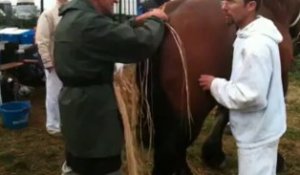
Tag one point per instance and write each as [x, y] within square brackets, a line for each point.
[251, 6]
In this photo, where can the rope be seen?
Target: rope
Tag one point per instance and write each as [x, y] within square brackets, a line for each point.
[184, 66]
[144, 99]
[144, 94]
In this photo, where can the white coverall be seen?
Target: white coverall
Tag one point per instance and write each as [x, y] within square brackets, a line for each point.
[46, 26]
[254, 96]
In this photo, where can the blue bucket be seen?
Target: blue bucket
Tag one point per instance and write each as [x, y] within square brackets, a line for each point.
[15, 114]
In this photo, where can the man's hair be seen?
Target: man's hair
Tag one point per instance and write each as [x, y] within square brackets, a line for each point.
[257, 3]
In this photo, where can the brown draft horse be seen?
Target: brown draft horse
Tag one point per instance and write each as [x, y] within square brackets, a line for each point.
[207, 41]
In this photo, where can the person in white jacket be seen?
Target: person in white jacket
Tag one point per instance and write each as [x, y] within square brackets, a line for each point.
[45, 30]
[46, 26]
[254, 93]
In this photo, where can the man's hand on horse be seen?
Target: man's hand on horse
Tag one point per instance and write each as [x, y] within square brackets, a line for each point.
[158, 13]
[205, 81]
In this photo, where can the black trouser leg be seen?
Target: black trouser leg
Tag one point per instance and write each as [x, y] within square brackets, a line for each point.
[93, 166]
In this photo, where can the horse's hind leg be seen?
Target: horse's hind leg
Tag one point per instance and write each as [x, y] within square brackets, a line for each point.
[170, 144]
[212, 151]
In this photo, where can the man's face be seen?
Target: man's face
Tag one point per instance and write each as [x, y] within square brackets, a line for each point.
[236, 10]
[106, 6]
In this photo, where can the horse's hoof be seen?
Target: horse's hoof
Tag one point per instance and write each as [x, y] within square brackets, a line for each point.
[224, 163]
[213, 156]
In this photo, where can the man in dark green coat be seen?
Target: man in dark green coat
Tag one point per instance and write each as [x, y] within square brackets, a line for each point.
[87, 44]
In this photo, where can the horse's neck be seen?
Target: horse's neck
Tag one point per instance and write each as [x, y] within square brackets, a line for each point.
[282, 11]
[273, 9]
[294, 8]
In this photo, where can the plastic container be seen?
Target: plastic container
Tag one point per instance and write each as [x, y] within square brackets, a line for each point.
[20, 36]
[27, 37]
[12, 38]
[15, 114]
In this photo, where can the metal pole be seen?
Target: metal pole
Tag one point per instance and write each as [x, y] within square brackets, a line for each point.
[120, 10]
[42, 6]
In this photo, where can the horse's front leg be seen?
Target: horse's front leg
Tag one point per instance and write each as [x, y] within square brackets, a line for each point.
[212, 151]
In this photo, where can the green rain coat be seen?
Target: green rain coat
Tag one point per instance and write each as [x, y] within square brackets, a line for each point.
[87, 44]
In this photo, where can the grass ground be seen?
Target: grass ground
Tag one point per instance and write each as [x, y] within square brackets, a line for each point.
[32, 151]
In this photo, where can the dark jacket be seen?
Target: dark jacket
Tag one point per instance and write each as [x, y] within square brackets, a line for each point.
[87, 44]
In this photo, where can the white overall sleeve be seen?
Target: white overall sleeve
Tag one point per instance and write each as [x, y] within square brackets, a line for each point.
[249, 89]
